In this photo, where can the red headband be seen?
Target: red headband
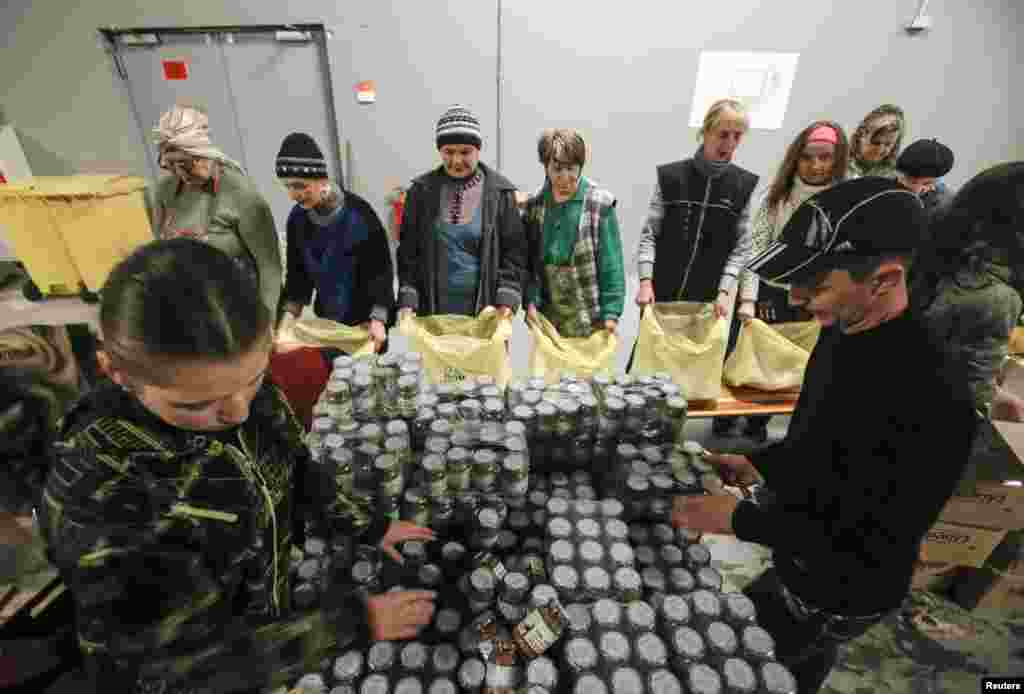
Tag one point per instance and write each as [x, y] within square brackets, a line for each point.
[824, 133]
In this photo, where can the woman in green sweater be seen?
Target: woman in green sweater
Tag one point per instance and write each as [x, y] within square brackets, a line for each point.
[576, 276]
[208, 197]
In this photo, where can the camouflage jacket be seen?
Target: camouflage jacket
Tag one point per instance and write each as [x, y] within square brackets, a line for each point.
[973, 314]
[176, 547]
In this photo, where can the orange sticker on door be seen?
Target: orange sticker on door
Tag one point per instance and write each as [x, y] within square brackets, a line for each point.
[175, 70]
[366, 92]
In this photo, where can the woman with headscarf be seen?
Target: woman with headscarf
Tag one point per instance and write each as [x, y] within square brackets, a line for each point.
[462, 245]
[815, 160]
[876, 142]
[209, 197]
[576, 271]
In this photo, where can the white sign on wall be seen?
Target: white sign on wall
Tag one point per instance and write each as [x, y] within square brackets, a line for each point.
[762, 81]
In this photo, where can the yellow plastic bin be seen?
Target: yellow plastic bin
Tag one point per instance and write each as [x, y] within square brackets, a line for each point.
[70, 231]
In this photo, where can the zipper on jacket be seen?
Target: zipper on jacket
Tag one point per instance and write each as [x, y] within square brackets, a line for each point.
[696, 240]
[249, 458]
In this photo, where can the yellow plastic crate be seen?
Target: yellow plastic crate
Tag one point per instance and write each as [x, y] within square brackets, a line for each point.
[70, 231]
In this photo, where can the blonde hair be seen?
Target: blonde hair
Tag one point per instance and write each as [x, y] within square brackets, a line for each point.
[716, 114]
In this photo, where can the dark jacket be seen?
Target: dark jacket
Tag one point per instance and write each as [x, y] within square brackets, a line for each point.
[699, 230]
[879, 438]
[359, 247]
[176, 546]
[422, 262]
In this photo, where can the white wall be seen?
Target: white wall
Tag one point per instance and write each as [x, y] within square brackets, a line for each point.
[622, 72]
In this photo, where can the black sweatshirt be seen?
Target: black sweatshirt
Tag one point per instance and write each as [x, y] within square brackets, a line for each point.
[878, 441]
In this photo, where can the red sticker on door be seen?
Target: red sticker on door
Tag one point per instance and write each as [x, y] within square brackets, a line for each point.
[175, 70]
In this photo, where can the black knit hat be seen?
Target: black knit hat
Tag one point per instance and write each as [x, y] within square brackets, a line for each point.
[926, 159]
[865, 217]
[300, 157]
[458, 126]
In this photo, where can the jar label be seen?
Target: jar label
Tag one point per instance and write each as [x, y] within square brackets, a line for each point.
[536, 632]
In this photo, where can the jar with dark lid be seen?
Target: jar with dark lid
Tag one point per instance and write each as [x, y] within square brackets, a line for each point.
[697, 557]
[640, 468]
[442, 685]
[430, 576]
[756, 644]
[721, 640]
[671, 556]
[471, 674]
[415, 553]
[738, 610]
[409, 685]
[547, 419]
[567, 420]
[627, 680]
[639, 534]
[709, 578]
[414, 657]
[445, 659]
[640, 617]
[775, 678]
[614, 648]
[381, 656]
[590, 684]
[305, 595]
[482, 585]
[645, 556]
[578, 618]
[507, 541]
[702, 679]
[487, 528]
[349, 666]
[519, 521]
[628, 584]
[447, 622]
[653, 579]
[663, 681]
[539, 519]
[516, 587]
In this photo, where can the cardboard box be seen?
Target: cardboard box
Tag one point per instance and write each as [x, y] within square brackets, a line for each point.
[963, 545]
[999, 499]
[987, 589]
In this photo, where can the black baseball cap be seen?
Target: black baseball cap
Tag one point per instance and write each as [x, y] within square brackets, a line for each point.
[866, 217]
[926, 158]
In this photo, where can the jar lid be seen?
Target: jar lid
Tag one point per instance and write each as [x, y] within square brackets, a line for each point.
[445, 658]
[453, 551]
[627, 579]
[434, 464]
[348, 666]
[616, 529]
[671, 555]
[515, 464]
[546, 409]
[542, 671]
[334, 441]
[614, 404]
[596, 578]
[559, 527]
[626, 680]
[565, 578]
[430, 574]
[708, 577]
[558, 506]
[698, 555]
[622, 553]
[386, 463]
[381, 655]
[578, 618]
[688, 642]
[590, 684]
[703, 679]
[409, 685]
[777, 679]
[757, 641]
[705, 603]
[637, 484]
[675, 609]
[588, 527]
[414, 656]
[664, 681]
[662, 482]
[517, 581]
[489, 519]
[482, 580]
[607, 613]
[740, 607]
[493, 405]
[639, 534]
[614, 646]
[640, 615]
[652, 649]
[543, 594]
[653, 579]
[485, 457]
[722, 637]
[442, 685]
[471, 674]
[448, 621]
[591, 552]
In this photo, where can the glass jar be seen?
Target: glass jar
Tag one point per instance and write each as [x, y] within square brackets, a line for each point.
[458, 470]
[705, 608]
[381, 656]
[671, 556]
[437, 475]
[607, 614]
[588, 529]
[627, 680]
[471, 675]
[488, 525]
[675, 417]
[596, 582]
[591, 553]
[566, 580]
[484, 470]
[343, 461]
[687, 647]
[414, 657]
[338, 397]
[614, 648]
[416, 508]
[775, 678]
[621, 555]
[409, 685]
[738, 610]
[645, 556]
[547, 419]
[349, 666]
[756, 644]
[709, 578]
[447, 622]
[446, 657]
[578, 619]
[566, 418]
[697, 557]
[590, 684]
[493, 410]
[628, 584]
[640, 617]
[516, 475]
[389, 476]
[542, 672]
[442, 685]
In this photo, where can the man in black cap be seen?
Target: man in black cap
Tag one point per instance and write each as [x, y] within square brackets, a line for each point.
[919, 168]
[879, 438]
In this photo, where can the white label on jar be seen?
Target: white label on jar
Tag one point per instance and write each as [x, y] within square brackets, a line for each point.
[536, 632]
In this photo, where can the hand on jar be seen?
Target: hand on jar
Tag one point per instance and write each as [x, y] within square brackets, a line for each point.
[400, 531]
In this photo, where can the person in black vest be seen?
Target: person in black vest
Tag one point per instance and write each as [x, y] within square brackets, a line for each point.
[697, 236]
[879, 439]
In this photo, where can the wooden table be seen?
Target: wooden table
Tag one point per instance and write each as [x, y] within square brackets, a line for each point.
[16, 311]
[738, 402]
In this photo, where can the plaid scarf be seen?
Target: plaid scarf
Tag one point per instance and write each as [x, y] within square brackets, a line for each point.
[585, 253]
